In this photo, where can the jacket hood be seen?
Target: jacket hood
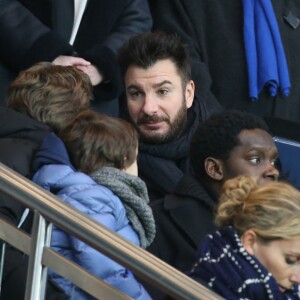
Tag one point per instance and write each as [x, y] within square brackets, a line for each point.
[18, 125]
[52, 151]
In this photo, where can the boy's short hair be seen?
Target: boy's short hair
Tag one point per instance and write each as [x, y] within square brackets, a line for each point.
[95, 140]
[51, 94]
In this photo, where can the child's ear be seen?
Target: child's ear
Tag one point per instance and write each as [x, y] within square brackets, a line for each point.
[124, 164]
[214, 168]
[249, 241]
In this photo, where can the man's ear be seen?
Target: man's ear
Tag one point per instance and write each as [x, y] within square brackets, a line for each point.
[249, 241]
[189, 93]
[214, 168]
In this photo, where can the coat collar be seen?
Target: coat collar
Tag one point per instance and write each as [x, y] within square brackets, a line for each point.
[189, 188]
[186, 204]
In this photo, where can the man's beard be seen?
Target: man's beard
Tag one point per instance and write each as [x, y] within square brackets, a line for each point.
[175, 129]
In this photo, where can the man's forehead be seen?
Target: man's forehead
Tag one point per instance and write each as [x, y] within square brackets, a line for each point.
[256, 138]
[161, 68]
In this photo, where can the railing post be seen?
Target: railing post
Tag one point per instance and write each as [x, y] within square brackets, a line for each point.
[45, 269]
[36, 275]
[2, 260]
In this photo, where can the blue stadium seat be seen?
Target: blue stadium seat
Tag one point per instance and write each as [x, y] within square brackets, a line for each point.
[289, 155]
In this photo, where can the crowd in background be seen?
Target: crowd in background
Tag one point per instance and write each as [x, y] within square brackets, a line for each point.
[156, 119]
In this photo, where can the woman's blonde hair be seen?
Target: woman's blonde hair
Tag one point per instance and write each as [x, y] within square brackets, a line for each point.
[271, 210]
[95, 140]
[50, 93]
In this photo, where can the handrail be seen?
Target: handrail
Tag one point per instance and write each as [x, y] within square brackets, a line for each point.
[139, 261]
[22, 241]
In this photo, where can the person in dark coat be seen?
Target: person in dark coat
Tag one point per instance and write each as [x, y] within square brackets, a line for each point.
[48, 97]
[41, 100]
[227, 144]
[20, 138]
[214, 32]
[163, 106]
[82, 33]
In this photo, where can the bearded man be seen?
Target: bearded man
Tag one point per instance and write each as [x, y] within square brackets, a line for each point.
[163, 106]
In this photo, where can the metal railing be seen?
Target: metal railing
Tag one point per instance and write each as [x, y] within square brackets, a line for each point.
[49, 210]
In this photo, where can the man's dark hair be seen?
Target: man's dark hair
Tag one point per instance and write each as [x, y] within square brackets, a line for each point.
[145, 49]
[218, 136]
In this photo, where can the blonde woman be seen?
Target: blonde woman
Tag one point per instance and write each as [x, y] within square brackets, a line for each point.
[256, 252]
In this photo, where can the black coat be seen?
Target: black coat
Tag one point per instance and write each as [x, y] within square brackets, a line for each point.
[104, 27]
[20, 137]
[182, 219]
[213, 31]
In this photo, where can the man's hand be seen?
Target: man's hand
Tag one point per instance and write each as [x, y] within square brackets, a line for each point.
[82, 65]
[92, 72]
[64, 60]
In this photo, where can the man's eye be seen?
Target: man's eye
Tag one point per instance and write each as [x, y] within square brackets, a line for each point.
[135, 94]
[274, 162]
[255, 160]
[163, 92]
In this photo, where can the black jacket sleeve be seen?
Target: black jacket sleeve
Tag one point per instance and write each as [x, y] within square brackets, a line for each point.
[24, 39]
[135, 18]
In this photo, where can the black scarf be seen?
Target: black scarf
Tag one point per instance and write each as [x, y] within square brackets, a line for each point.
[161, 166]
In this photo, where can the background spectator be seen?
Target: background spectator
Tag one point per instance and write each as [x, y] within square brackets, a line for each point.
[214, 33]
[86, 34]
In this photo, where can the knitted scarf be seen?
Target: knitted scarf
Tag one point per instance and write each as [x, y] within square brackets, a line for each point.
[266, 61]
[132, 192]
[226, 267]
[162, 166]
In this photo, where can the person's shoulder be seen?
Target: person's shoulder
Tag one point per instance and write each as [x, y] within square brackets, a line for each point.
[55, 175]
[78, 189]
[13, 121]
[160, 213]
[95, 196]
[157, 205]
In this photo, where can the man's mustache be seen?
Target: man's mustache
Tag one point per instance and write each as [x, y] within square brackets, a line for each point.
[147, 119]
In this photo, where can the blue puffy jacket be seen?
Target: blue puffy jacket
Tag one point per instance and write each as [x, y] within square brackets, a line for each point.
[84, 194]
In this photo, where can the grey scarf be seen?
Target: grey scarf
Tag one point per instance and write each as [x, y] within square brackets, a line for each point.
[133, 193]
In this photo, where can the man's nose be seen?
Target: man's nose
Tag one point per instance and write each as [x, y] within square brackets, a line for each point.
[271, 171]
[150, 105]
